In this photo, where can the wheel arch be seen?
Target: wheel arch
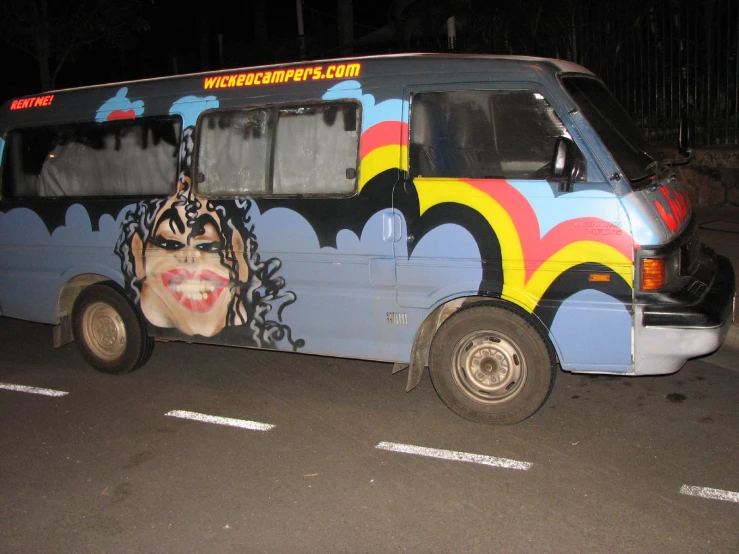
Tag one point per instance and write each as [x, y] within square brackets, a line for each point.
[74, 282]
[427, 330]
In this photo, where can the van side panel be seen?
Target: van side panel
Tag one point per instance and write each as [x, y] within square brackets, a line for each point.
[540, 250]
[348, 276]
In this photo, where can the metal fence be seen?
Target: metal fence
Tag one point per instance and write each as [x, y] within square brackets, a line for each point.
[663, 59]
[666, 60]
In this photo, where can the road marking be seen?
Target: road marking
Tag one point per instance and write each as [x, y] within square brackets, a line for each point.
[454, 455]
[33, 390]
[231, 422]
[711, 494]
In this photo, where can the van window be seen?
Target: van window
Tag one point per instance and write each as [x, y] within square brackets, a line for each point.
[233, 154]
[286, 150]
[112, 158]
[483, 134]
[315, 147]
[615, 128]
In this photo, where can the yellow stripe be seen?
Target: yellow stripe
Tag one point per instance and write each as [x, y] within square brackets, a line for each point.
[381, 159]
[528, 294]
[432, 192]
[437, 191]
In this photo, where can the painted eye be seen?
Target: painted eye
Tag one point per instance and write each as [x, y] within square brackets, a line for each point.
[167, 244]
[209, 247]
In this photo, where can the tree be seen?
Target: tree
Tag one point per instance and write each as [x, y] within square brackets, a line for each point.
[53, 33]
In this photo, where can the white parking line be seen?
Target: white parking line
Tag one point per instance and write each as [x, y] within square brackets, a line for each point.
[33, 390]
[231, 422]
[454, 455]
[711, 494]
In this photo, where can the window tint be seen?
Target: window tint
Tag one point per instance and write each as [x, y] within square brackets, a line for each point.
[115, 158]
[287, 150]
[483, 134]
[232, 158]
[316, 150]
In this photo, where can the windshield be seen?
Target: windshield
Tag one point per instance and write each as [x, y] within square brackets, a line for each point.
[615, 128]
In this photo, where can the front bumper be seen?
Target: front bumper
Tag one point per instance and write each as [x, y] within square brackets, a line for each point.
[666, 336]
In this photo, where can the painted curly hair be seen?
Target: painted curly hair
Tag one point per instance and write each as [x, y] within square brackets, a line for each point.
[252, 301]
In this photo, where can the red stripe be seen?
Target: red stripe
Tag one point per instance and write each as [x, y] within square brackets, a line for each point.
[121, 114]
[536, 249]
[383, 134]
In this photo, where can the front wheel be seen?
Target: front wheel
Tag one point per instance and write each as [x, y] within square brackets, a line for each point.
[490, 364]
[109, 332]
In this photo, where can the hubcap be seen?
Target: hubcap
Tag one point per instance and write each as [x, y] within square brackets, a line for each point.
[489, 367]
[104, 331]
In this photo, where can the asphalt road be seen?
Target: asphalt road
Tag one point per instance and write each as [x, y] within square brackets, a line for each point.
[608, 465]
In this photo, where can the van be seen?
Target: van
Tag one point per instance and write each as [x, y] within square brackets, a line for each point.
[492, 218]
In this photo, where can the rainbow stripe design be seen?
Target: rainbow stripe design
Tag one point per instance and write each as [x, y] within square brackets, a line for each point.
[532, 262]
[384, 146]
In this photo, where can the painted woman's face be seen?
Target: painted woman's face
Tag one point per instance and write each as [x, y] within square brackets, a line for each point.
[185, 283]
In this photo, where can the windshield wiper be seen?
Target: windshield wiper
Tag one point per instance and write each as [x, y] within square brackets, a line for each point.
[652, 169]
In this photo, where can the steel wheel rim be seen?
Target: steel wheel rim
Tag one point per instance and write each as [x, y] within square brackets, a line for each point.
[489, 367]
[104, 331]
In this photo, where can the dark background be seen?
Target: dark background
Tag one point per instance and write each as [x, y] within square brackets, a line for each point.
[663, 59]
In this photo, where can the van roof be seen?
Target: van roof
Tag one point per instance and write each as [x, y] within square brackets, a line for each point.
[558, 65]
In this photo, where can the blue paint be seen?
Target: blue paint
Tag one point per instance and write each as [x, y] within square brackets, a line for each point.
[372, 113]
[591, 327]
[551, 209]
[444, 264]
[119, 102]
[338, 311]
[190, 107]
[647, 227]
[38, 265]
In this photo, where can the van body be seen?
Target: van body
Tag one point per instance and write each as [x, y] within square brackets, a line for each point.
[488, 217]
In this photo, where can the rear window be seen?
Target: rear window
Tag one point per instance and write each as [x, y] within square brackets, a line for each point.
[135, 157]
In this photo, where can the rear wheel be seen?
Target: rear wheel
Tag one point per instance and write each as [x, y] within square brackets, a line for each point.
[491, 364]
[109, 331]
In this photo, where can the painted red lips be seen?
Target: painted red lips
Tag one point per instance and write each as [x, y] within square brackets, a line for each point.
[196, 290]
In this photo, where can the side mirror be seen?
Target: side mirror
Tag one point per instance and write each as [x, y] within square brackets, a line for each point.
[567, 163]
[684, 142]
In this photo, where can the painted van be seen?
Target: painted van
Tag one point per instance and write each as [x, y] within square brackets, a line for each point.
[490, 218]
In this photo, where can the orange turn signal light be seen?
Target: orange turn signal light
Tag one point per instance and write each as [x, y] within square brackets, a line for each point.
[599, 278]
[653, 275]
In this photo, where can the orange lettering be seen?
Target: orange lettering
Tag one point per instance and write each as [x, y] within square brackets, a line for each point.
[240, 80]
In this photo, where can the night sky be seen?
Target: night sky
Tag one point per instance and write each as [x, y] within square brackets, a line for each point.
[172, 43]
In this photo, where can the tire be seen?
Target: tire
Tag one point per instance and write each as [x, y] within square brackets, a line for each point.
[490, 364]
[109, 331]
